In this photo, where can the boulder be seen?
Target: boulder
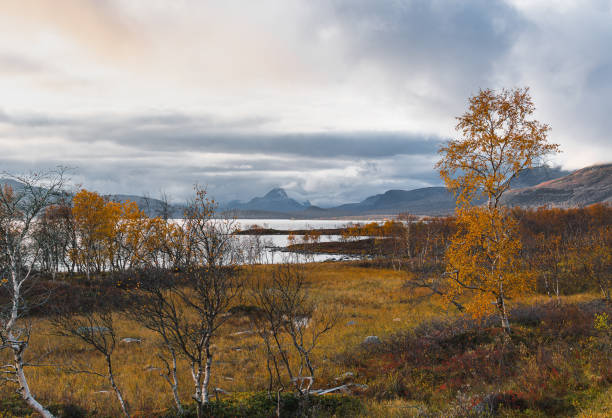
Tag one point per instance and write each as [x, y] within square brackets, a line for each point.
[371, 340]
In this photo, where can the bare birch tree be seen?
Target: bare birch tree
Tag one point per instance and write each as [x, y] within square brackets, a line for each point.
[214, 284]
[96, 329]
[290, 322]
[155, 306]
[22, 200]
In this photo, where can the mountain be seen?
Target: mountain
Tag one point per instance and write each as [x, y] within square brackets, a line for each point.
[432, 200]
[14, 184]
[276, 200]
[532, 188]
[537, 175]
[428, 200]
[580, 188]
[152, 207]
[423, 201]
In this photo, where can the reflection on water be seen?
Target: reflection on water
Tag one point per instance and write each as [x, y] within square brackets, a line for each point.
[293, 224]
[270, 248]
[272, 245]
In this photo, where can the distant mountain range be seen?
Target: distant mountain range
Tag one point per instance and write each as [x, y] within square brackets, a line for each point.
[534, 187]
[423, 201]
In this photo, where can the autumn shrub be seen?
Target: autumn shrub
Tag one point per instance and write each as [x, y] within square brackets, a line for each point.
[554, 354]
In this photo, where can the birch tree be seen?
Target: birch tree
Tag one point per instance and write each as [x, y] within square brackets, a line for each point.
[22, 200]
[95, 328]
[291, 323]
[155, 306]
[498, 140]
[214, 283]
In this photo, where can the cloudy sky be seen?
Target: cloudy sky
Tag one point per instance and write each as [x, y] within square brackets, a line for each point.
[332, 100]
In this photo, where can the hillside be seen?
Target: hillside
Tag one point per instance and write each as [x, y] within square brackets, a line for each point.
[580, 188]
[152, 207]
[428, 200]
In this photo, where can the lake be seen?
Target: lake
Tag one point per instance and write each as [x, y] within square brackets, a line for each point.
[272, 243]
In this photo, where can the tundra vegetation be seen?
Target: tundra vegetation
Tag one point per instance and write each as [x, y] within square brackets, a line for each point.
[105, 311]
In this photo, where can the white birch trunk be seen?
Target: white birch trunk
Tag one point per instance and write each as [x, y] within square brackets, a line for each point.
[24, 388]
[172, 379]
[111, 378]
[206, 381]
[197, 379]
[18, 347]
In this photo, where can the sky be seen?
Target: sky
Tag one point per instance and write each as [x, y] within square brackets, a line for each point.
[333, 100]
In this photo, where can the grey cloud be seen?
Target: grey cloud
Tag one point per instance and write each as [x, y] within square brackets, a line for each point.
[428, 57]
[455, 44]
[178, 132]
[325, 181]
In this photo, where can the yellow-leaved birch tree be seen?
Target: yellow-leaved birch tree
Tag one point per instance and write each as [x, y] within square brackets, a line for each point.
[498, 140]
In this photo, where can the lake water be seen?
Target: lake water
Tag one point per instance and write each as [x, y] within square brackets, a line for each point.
[286, 224]
[272, 243]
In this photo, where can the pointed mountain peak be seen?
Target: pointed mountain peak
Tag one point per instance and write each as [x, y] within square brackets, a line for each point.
[276, 194]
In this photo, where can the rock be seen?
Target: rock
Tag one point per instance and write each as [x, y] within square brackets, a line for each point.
[351, 323]
[371, 340]
[129, 340]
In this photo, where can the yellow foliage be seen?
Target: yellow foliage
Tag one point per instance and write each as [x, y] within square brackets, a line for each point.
[113, 234]
[498, 142]
[484, 260]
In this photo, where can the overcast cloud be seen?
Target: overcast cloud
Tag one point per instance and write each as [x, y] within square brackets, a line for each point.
[332, 100]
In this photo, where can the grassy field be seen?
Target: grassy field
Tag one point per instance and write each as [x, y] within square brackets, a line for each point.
[402, 381]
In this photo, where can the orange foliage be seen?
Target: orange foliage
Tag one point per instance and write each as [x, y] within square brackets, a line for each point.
[498, 142]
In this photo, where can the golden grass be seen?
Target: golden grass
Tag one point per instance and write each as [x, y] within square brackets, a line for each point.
[372, 302]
